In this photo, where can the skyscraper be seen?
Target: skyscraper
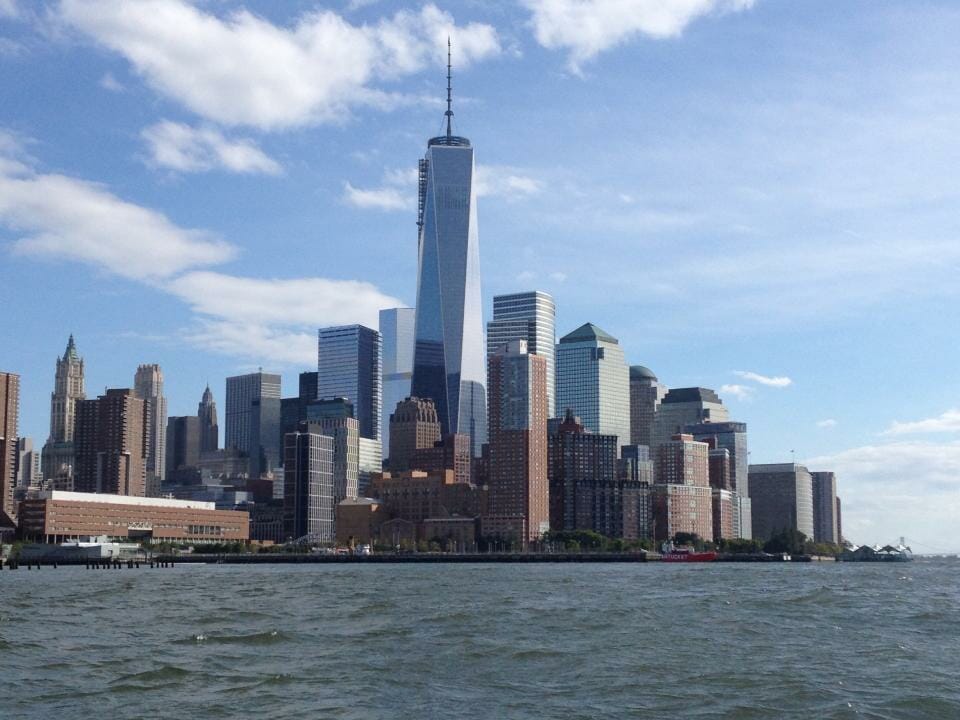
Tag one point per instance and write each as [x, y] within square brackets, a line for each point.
[682, 497]
[593, 381]
[308, 493]
[414, 425]
[782, 499]
[111, 437]
[731, 436]
[148, 386]
[183, 444]
[526, 316]
[349, 365]
[334, 418]
[253, 419]
[209, 429]
[686, 406]
[67, 390]
[519, 488]
[9, 414]
[28, 464]
[396, 332]
[448, 365]
[825, 524]
[646, 392]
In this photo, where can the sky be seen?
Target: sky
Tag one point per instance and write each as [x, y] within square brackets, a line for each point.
[755, 196]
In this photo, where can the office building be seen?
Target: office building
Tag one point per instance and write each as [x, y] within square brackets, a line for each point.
[646, 392]
[253, 419]
[209, 429]
[825, 526]
[396, 333]
[28, 464]
[724, 515]
[839, 522]
[730, 436]
[308, 475]
[529, 316]
[448, 364]
[414, 425]
[56, 516]
[719, 468]
[519, 487]
[9, 418]
[148, 386]
[370, 461]
[593, 381]
[682, 407]
[58, 452]
[293, 410]
[184, 438]
[333, 419]
[349, 365]
[111, 436]
[453, 452]
[782, 499]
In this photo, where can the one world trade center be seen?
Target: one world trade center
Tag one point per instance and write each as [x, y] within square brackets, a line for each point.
[448, 363]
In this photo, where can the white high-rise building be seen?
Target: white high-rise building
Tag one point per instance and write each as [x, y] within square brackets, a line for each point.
[396, 332]
[593, 380]
[529, 316]
[148, 385]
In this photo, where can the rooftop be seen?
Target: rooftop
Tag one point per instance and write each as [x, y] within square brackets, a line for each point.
[694, 394]
[639, 372]
[587, 332]
[67, 496]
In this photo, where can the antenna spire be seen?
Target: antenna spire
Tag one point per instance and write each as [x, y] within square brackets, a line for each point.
[449, 112]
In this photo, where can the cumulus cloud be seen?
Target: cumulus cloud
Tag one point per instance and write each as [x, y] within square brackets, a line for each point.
[274, 319]
[904, 488]
[63, 218]
[588, 27]
[779, 381]
[505, 182]
[948, 421]
[266, 320]
[187, 149]
[241, 69]
[741, 392]
[828, 423]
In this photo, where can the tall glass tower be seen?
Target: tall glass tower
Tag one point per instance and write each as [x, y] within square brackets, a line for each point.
[448, 362]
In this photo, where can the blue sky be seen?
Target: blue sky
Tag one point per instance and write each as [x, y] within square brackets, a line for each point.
[753, 195]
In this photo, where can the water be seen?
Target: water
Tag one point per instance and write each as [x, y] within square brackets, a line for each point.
[487, 641]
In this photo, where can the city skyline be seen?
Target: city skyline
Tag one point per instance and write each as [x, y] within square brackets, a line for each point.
[798, 361]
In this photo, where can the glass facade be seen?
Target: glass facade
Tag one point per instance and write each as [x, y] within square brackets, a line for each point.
[593, 381]
[253, 419]
[448, 365]
[396, 330]
[349, 365]
[526, 316]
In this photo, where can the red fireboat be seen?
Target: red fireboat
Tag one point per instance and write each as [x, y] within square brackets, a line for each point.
[685, 553]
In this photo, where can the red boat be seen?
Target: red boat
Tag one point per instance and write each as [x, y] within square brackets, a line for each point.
[687, 554]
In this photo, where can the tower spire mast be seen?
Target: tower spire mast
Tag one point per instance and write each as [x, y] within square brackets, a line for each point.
[449, 112]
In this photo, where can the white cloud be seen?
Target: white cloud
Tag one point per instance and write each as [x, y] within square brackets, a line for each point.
[181, 147]
[382, 198]
[274, 319]
[63, 218]
[778, 382]
[109, 82]
[240, 69]
[948, 421]
[504, 181]
[526, 276]
[398, 191]
[587, 27]
[8, 8]
[907, 488]
[558, 276]
[828, 423]
[741, 392]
